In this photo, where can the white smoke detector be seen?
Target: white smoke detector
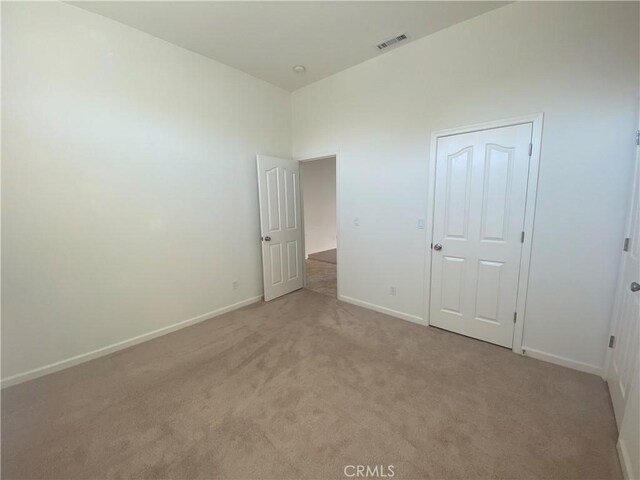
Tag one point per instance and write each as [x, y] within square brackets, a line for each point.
[299, 69]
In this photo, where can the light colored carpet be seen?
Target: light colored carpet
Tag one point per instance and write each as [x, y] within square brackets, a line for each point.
[301, 387]
[329, 256]
[321, 277]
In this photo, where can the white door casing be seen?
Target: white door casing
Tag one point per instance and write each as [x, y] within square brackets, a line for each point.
[280, 225]
[481, 182]
[629, 438]
[624, 356]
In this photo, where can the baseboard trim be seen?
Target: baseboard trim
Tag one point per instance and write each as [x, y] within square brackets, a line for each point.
[385, 310]
[562, 361]
[101, 352]
[625, 461]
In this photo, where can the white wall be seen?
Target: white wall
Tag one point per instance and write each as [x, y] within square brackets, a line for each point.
[577, 63]
[128, 186]
[318, 181]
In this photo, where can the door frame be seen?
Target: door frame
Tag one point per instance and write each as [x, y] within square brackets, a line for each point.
[529, 215]
[310, 158]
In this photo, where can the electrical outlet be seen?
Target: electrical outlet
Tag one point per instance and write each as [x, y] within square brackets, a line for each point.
[234, 284]
[356, 222]
[421, 224]
[392, 290]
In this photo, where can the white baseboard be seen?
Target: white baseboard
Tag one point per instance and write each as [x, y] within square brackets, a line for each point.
[562, 361]
[85, 357]
[625, 461]
[388, 311]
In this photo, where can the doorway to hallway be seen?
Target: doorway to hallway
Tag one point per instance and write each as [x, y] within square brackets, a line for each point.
[318, 182]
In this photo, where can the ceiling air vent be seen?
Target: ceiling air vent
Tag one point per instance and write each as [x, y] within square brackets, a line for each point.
[392, 41]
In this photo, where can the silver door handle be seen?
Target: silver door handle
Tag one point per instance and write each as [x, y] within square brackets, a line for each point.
[266, 239]
[437, 247]
[635, 286]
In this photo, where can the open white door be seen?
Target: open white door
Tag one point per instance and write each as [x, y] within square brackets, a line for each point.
[280, 226]
[626, 331]
[624, 356]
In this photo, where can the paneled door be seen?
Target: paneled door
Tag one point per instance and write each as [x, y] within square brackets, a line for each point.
[280, 226]
[479, 211]
[625, 344]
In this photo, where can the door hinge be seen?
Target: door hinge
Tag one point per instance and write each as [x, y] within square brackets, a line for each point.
[515, 316]
[522, 238]
[530, 149]
[612, 341]
[625, 248]
[637, 137]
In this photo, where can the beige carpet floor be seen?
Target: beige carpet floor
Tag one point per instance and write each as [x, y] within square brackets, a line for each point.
[329, 256]
[300, 388]
[322, 277]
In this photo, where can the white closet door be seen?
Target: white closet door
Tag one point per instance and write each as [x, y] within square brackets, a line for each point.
[623, 375]
[626, 344]
[480, 195]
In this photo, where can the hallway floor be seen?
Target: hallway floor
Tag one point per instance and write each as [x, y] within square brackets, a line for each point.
[322, 272]
[321, 277]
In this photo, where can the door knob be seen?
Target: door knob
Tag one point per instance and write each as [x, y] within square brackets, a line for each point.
[635, 286]
[437, 247]
[267, 239]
